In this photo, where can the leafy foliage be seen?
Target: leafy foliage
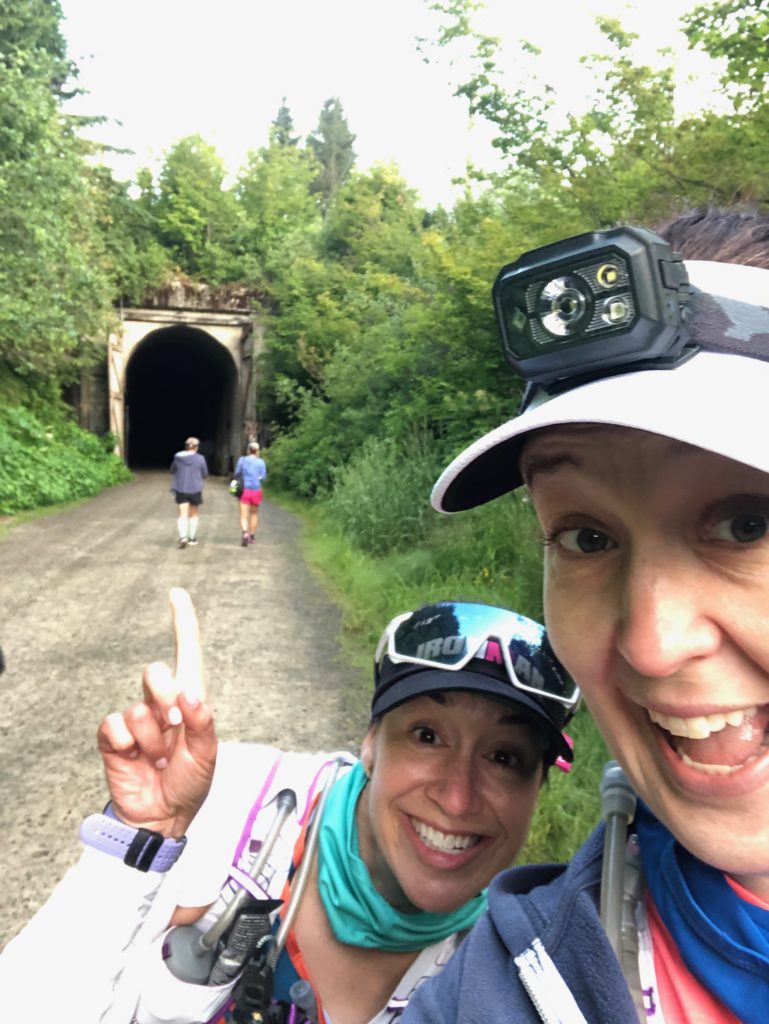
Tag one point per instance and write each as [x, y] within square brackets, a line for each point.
[54, 287]
[737, 31]
[196, 216]
[379, 497]
[135, 257]
[44, 462]
[332, 144]
[629, 157]
[278, 217]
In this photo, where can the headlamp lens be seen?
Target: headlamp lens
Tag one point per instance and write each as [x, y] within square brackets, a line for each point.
[564, 306]
[607, 275]
[615, 310]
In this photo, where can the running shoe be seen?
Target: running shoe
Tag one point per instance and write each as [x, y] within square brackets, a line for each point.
[244, 541]
[192, 542]
[183, 542]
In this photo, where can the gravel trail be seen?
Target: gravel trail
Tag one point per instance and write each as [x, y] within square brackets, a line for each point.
[84, 599]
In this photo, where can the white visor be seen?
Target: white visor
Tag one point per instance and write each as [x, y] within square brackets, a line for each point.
[717, 400]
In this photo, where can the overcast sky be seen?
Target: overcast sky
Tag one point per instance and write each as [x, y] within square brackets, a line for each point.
[163, 69]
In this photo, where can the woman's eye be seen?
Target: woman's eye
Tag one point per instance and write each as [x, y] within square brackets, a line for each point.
[585, 540]
[745, 528]
[523, 762]
[504, 757]
[427, 736]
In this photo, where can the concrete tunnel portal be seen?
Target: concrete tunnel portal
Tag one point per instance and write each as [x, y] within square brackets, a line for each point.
[179, 381]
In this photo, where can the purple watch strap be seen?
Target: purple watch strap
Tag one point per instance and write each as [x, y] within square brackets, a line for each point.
[138, 847]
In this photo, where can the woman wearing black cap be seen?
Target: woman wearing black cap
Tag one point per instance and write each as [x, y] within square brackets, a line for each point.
[381, 863]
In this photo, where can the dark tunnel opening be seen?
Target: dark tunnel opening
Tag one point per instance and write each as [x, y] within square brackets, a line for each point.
[179, 382]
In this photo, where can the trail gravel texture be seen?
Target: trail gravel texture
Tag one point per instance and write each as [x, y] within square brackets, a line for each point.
[84, 599]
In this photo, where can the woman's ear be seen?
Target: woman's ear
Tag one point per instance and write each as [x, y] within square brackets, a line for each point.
[367, 751]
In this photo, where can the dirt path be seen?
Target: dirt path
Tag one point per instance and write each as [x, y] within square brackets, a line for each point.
[84, 606]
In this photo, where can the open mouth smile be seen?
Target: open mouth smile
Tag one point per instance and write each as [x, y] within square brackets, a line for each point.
[443, 842]
[717, 744]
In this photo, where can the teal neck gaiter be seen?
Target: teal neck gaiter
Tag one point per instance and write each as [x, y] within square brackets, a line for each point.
[358, 915]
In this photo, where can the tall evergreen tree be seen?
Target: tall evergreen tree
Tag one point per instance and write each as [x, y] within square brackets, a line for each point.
[282, 129]
[332, 144]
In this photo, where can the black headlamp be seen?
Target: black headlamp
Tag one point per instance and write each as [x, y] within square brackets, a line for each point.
[591, 305]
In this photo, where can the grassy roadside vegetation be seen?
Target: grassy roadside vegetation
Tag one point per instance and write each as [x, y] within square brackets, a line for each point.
[491, 554]
[45, 458]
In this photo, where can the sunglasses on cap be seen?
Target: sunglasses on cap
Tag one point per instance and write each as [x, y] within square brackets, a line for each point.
[450, 634]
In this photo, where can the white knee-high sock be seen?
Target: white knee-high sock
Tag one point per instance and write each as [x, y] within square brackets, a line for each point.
[181, 522]
[193, 527]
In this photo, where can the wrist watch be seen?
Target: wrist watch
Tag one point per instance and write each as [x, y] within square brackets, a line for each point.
[139, 848]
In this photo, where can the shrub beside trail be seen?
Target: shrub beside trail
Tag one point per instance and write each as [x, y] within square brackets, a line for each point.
[48, 461]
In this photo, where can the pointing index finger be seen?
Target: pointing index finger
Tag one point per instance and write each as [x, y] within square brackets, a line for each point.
[189, 656]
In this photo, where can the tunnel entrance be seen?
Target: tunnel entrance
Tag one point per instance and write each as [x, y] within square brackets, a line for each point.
[179, 382]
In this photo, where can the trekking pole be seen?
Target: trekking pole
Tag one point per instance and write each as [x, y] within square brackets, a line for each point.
[190, 956]
[618, 802]
[303, 871]
[286, 804]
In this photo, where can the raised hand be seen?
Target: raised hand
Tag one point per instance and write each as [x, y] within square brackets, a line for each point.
[159, 754]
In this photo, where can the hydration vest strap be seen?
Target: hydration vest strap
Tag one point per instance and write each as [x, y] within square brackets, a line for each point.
[256, 808]
[633, 891]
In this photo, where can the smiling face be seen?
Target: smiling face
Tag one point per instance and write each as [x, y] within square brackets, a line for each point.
[656, 600]
[454, 784]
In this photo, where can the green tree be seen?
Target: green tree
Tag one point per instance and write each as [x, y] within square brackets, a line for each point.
[31, 37]
[196, 215]
[332, 142]
[136, 260]
[373, 220]
[733, 148]
[355, 283]
[279, 218]
[55, 287]
[394, 336]
[282, 129]
[628, 156]
[737, 30]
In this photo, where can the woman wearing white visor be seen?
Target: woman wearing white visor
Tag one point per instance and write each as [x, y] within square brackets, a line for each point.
[644, 445]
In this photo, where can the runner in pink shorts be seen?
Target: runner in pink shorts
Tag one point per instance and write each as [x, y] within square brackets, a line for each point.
[253, 471]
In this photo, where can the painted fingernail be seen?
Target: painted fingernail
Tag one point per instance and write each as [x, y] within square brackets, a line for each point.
[161, 763]
[174, 715]
[191, 696]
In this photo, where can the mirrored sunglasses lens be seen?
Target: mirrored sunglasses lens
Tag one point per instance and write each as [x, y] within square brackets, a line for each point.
[536, 666]
[434, 635]
[448, 632]
[444, 634]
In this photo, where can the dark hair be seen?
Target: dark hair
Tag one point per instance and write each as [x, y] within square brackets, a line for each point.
[719, 234]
